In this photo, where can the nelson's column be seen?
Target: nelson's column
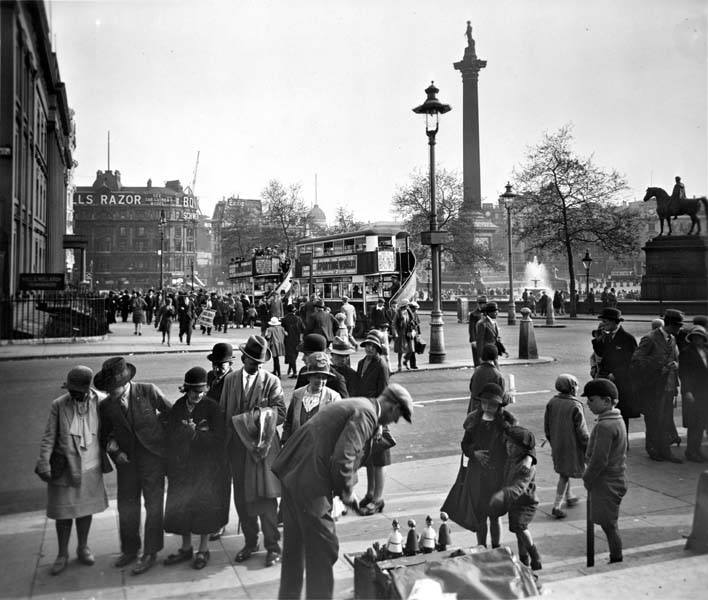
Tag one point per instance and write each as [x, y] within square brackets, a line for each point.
[475, 226]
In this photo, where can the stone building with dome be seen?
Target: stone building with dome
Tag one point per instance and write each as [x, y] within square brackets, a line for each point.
[315, 221]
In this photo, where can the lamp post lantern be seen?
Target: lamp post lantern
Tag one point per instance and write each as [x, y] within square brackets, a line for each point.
[587, 260]
[432, 108]
[161, 226]
[507, 200]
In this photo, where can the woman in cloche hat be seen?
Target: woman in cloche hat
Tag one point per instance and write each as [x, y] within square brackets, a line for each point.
[693, 373]
[198, 491]
[72, 463]
[306, 401]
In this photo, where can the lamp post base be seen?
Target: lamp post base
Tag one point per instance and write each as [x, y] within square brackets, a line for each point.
[511, 314]
[436, 352]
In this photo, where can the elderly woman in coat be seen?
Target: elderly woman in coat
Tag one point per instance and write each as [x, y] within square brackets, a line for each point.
[72, 463]
[198, 491]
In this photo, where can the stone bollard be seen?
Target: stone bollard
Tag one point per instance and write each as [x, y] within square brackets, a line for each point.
[698, 540]
[550, 318]
[527, 338]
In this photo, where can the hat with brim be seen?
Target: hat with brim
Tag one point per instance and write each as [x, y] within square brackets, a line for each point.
[114, 373]
[342, 346]
[221, 352]
[403, 302]
[673, 317]
[313, 342]
[78, 379]
[256, 348]
[195, 379]
[319, 303]
[372, 339]
[414, 304]
[317, 364]
[613, 314]
[492, 393]
[490, 307]
[697, 331]
[274, 321]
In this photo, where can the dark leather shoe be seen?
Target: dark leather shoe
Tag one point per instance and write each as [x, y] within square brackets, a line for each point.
[180, 556]
[272, 558]
[245, 553]
[85, 556]
[124, 560]
[59, 564]
[145, 563]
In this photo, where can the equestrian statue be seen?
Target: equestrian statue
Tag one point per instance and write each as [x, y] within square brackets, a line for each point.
[675, 205]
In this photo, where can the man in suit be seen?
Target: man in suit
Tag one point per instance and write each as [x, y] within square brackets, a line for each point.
[655, 377]
[487, 330]
[615, 347]
[255, 487]
[473, 318]
[379, 318]
[321, 322]
[319, 461]
[186, 315]
[132, 433]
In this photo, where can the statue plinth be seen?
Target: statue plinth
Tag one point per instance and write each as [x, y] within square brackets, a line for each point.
[676, 268]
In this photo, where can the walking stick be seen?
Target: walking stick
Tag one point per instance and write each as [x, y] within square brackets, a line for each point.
[590, 536]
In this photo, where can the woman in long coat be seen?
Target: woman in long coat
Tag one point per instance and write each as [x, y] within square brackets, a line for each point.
[374, 374]
[138, 306]
[293, 327]
[165, 316]
[198, 487]
[78, 492]
[693, 372]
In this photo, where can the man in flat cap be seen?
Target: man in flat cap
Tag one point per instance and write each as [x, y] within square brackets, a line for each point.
[132, 433]
[320, 461]
[654, 369]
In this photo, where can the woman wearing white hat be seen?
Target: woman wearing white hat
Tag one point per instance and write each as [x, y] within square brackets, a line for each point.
[275, 334]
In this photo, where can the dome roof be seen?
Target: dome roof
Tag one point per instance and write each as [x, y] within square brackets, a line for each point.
[317, 214]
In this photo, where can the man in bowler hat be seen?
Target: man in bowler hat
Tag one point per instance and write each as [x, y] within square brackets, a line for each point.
[655, 378]
[255, 487]
[487, 329]
[615, 347]
[132, 433]
[319, 461]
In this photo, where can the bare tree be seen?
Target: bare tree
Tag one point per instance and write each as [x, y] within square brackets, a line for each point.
[284, 212]
[344, 221]
[568, 202]
[412, 202]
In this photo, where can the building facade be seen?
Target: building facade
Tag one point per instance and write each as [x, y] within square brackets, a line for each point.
[139, 237]
[36, 146]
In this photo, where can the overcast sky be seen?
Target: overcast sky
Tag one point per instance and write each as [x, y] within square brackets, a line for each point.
[288, 89]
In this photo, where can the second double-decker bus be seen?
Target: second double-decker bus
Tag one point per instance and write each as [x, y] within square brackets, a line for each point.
[261, 275]
[364, 265]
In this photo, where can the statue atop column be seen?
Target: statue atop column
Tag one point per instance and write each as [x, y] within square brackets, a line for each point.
[468, 33]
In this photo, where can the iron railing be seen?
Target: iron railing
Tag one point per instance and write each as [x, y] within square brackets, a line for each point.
[41, 315]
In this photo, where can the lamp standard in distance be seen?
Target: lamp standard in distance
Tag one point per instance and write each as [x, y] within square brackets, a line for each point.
[432, 108]
[587, 261]
[161, 226]
[507, 201]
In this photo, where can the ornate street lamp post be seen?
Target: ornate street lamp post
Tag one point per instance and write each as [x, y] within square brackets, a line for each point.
[432, 108]
[587, 260]
[161, 226]
[507, 201]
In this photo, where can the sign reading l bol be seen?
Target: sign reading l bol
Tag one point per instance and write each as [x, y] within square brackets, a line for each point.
[116, 199]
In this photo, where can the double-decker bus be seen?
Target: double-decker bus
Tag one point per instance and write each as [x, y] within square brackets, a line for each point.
[363, 265]
[261, 275]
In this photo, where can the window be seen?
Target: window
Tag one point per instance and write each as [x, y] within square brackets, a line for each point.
[141, 231]
[104, 245]
[178, 244]
[123, 231]
[122, 245]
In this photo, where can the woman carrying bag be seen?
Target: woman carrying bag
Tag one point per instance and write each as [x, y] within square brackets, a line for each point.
[72, 463]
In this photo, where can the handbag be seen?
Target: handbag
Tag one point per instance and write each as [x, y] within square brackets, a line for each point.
[419, 346]
[458, 504]
[385, 442]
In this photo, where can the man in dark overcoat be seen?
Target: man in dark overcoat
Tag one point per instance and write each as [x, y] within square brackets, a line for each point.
[132, 420]
[255, 487]
[186, 315]
[472, 320]
[487, 330]
[654, 370]
[616, 347]
[319, 461]
[321, 322]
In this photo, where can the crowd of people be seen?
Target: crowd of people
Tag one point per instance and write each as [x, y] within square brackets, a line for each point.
[221, 436]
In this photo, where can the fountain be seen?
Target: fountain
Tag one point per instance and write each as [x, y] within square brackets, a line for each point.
[536, 273]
